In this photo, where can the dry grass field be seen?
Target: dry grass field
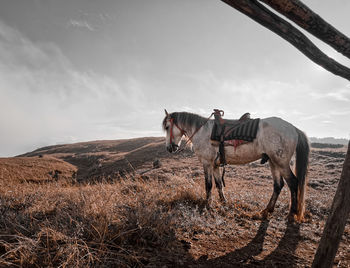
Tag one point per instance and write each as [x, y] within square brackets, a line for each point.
[104, 204]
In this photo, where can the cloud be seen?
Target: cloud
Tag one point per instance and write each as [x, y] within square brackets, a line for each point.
[90, 21]
[299, 103]
[257, 95]
[341, 94]
[82, 24]
[341, 112]
[45, 100]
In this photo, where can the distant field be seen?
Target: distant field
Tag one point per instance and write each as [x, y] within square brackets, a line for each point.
[326, 145]
[329, 140]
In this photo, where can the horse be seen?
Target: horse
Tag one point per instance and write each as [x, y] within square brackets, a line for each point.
[275, 138]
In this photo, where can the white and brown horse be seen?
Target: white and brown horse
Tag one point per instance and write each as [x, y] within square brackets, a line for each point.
[276, 138]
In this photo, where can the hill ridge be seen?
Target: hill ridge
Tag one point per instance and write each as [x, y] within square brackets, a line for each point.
[105, 159]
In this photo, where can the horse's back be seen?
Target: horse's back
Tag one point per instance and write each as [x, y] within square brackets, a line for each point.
[276, 125]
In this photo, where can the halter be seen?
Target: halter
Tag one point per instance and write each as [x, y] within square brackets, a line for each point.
[172, 123]
[183, 132]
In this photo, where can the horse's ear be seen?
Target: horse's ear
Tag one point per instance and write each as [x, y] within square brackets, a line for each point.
[166, 112]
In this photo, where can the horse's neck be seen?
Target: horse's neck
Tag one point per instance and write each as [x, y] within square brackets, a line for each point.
[197, 133]
[189, 130]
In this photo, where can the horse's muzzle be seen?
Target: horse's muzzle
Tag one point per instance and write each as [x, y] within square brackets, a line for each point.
[172, 148]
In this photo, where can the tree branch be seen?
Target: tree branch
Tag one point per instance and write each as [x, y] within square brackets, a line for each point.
[302, 15]
[268, 19]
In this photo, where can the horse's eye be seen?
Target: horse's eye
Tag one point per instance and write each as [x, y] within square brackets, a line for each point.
[166, 128]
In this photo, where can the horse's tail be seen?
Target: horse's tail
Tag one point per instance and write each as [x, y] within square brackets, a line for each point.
[302, 162]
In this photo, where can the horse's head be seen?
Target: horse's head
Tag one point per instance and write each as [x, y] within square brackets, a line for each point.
[173, 132]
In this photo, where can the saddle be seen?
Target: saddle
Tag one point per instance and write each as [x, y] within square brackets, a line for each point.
[233, 132]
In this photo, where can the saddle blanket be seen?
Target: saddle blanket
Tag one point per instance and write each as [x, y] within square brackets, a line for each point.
[244, 131]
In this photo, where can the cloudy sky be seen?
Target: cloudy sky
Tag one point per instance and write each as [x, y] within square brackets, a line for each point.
[80, 70]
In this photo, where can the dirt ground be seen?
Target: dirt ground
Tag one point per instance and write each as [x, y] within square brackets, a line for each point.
[222, 236]
[231, 236]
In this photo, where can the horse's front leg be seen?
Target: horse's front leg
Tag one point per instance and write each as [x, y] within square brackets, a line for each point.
[219, 183]
[208, 182]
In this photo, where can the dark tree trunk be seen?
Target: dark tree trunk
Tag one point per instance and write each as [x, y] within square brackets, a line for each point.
[336, 221]
[262, 15]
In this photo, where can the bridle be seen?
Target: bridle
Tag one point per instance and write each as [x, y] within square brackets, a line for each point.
[183, 132]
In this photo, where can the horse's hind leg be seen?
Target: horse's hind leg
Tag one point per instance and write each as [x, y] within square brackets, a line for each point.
[278, 184]
[292, 182]
[208, 182]
[218, 183]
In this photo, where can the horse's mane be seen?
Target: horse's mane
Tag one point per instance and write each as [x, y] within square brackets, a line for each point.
[186, 119]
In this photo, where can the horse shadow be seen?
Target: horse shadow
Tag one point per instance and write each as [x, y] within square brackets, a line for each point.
[283, 255]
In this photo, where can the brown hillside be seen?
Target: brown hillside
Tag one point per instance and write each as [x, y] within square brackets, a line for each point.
[35, 169]
[105, 160]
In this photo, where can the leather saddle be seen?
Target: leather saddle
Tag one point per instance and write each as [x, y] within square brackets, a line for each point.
[223, 127]
[233, 132]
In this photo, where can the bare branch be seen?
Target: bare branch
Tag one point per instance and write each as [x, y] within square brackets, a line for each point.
[287, 31]
[302, 15]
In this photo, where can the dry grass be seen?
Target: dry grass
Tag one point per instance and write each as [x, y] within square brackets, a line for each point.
[160, 218]
[126, 223]
[36, 170]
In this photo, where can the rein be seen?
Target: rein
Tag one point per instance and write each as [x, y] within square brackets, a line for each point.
[183, 132]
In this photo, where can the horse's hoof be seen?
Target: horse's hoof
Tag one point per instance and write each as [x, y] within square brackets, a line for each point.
[299, 219]
[257, 216]
[265, 214]
[262, 215]
[292, 217]
[208, 204]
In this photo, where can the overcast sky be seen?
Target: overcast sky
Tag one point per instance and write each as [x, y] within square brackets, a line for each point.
[80, 70]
